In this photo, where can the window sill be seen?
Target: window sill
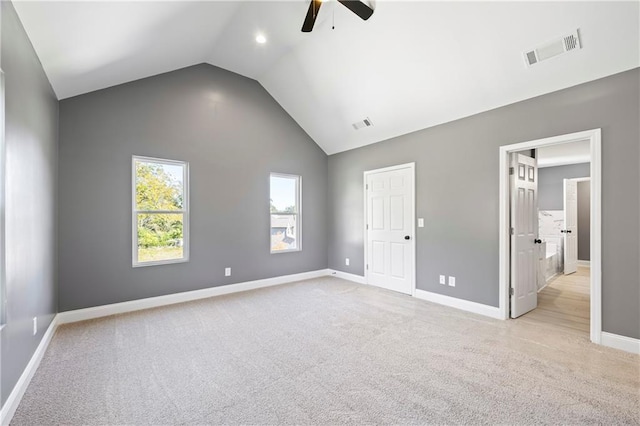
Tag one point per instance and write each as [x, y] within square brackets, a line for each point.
[159, 262]
[285, 251]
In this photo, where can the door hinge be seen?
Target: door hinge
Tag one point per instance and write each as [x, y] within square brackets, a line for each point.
[367, 266]
[511, 231]
[367, 226]
[367, 186]
[511, 170]
[510, 291]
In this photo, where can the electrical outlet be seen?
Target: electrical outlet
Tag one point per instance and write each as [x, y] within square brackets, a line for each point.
[346, 261]
[443, 280]
[452, 281]
[35, 325]
[227, 272]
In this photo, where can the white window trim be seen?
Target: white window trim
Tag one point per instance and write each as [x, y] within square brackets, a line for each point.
[3, 295]
[184, 211]
[298, 179]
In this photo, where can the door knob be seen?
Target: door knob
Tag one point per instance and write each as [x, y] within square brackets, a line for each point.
[406, 237]
[537, 241]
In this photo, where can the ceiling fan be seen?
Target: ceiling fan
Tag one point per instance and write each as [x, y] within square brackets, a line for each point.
[356, 6]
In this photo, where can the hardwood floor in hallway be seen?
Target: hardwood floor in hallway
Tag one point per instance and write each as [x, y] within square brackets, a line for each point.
[564, 303]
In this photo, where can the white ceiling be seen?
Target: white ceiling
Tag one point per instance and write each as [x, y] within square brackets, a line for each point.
[564, 154]
[412, 65]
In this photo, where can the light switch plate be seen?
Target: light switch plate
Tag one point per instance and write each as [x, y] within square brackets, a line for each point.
[227, 272]
[443, 280]
[452, 281]
[420, 222]
[346, 261]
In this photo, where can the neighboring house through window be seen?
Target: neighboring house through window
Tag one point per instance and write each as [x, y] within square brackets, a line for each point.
[285, 212]
[160, 211]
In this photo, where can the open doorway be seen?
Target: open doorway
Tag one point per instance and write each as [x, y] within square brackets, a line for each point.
[549, 243]
[563, 237]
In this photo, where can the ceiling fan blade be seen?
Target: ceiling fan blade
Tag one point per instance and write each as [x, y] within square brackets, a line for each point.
[358, 7]
[312, 14]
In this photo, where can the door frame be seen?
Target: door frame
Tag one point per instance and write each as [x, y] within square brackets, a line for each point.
[412, 167]
[595, 137]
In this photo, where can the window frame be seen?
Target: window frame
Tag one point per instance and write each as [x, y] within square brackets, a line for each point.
[185, 211]
[3, 292]
[298, 213]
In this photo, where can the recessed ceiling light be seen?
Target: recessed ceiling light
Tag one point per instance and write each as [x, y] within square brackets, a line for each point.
[261, 39]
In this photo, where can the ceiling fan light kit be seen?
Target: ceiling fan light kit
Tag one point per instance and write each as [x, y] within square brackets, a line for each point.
[356, 6]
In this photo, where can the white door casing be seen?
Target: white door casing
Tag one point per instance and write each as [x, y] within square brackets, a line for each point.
[595, 282]
[524, 234]
[570, 230]
[390, 244]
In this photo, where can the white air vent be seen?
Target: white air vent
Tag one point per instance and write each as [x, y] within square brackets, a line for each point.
[556, 47]
[363, 123]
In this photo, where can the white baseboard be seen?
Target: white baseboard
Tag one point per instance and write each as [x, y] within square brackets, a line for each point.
[347, 276]
[465, 305]
[11, 405]
[543, 287]
[8, 410]
[170, 299]
[623, 343]
[584, 263]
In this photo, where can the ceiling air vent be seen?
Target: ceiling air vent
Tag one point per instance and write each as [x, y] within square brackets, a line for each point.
[363, 123]
[556, 47]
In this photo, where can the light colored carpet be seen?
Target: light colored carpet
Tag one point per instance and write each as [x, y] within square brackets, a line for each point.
[325, 351]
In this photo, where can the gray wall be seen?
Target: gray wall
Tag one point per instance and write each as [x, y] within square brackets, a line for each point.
[584, 220]
[457, 192]
[551, 184]
[30, 216]
[232, 133]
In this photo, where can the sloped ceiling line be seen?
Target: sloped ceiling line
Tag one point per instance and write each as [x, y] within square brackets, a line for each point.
[412, 65]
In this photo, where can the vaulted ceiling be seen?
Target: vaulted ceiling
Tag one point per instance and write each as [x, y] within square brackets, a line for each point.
[412, 65]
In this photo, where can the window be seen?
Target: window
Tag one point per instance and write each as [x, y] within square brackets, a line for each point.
[160, 211]
[285, 212]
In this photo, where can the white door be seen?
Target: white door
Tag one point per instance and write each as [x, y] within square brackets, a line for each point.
[390, 246]
[570, 226]
[524, 234]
